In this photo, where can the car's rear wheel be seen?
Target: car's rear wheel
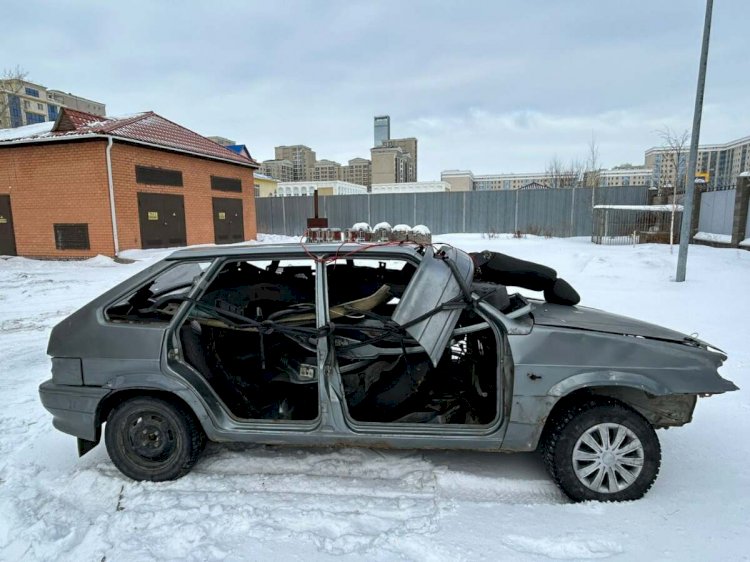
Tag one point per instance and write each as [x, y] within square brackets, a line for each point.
[602, 451]
[149, 438]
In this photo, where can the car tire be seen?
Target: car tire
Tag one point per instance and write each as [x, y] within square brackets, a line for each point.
[149, 438]
[602, 451]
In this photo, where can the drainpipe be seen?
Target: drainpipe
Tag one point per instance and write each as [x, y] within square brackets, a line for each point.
[112, 195]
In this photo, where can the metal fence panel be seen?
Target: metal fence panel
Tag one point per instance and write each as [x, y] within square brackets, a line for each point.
[490, 211]
[717, 212]
[269, 215]
[393, 208]
[544, 212]
[626, 195]
[297, 209]
[343, 211]
[441, 212]
[582, 211]
[553, 212]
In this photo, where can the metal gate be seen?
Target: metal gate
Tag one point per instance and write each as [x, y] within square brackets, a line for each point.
[229, 223]
[7, 236]
[162, 220]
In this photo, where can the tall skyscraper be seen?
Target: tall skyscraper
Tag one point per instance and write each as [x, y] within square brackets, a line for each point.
[382, 127]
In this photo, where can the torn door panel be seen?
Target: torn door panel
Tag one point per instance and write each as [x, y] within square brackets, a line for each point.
[433, 285]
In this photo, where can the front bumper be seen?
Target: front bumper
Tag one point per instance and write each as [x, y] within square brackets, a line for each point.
[73, 408]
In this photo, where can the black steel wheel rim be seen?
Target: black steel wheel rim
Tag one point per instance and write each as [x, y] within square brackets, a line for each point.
[150, 437]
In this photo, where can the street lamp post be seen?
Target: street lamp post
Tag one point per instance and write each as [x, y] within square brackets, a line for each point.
[686, 227]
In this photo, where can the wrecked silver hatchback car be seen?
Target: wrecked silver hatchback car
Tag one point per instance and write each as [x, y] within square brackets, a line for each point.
[377, 345]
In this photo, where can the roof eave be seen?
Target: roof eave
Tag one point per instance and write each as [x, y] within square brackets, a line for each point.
[182, 151]
[74, 137]
[37, 140]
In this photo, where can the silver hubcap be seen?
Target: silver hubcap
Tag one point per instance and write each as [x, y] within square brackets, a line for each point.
[608, 458]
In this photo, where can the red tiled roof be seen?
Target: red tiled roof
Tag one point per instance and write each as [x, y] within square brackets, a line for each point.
[145, 127]
[71, 120]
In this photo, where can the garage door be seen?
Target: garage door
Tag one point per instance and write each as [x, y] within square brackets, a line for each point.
[7, 237]
[162, 220]
[228, 220]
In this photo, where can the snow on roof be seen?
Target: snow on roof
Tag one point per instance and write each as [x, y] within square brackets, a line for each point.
[652, 208]
[146, 127]
[711, 237]
[26, 131]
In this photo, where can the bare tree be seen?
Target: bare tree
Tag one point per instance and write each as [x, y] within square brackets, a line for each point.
[558, 175]
[676, 155]
[593, 166]
[11, 83]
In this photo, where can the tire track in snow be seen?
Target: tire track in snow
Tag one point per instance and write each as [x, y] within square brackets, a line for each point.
[342, 501]
[338, 501]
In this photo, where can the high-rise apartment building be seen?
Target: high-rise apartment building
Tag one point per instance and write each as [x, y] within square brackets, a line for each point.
[325, 170]
[358, 171]
[76, 102]
[624, 177]
[392, 165]
[26, 103]
[281, 170]
[302, 158]
[718, 164]
[382, 129]
[409, 146]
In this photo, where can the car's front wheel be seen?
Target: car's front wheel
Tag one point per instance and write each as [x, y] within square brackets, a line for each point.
[149, 438]
[602, 451]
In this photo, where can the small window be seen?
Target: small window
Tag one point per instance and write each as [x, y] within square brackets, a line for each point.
[158, 176]
[32, 92]
[32, 118]
[158, 300]
[72, 237]
[226, 184]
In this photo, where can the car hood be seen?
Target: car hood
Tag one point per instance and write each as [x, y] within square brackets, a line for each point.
[584, 318]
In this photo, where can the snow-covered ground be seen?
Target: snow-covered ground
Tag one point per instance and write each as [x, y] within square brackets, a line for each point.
[260, 503]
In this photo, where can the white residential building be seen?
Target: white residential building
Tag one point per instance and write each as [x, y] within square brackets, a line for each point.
[465, 180]
[625, 177]
[411, 187]
[27, 103]
[335, 187]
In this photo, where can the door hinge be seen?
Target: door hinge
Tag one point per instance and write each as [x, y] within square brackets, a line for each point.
[173, 354]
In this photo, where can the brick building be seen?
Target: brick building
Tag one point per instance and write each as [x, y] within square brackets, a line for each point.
[87, 185]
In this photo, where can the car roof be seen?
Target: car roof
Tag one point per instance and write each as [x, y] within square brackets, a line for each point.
[290, 248]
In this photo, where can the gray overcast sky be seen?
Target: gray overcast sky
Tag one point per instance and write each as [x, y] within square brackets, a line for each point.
[487, 86]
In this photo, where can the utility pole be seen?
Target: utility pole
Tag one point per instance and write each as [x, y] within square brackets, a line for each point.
[687, 213]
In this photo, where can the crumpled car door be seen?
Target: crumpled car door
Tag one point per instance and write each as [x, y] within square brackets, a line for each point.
[431, 286]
